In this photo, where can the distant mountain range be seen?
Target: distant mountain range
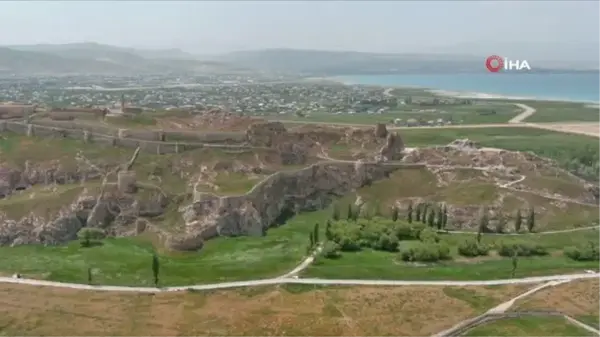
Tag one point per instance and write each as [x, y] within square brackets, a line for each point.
[93, 58]
[315, 62]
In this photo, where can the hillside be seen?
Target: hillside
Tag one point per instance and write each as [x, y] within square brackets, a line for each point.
[334, 62]
[92, 58]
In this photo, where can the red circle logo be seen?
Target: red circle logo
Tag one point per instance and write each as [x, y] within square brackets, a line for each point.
[494, 63]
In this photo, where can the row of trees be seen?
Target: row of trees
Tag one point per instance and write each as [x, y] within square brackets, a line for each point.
[436, 216]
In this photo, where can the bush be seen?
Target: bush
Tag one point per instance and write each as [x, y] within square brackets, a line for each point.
[521, 249]
[387, 243]
[426, 252]
[331, 250]
[472, 248]
[429, 235]
[585, 252]
[405, 231]
[349, 244]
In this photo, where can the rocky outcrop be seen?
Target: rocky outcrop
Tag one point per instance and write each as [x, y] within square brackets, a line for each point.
[12, 179]
[117, 213]
[393, 149]
[270, 202]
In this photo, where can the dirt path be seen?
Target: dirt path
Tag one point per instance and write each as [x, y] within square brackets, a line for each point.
[527, 112]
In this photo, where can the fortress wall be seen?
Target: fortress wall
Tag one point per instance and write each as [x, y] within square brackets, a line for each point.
[206, 137]
[147, 140]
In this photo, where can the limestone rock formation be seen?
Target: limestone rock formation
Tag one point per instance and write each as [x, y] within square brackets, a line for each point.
[393, 149]
[272, 201]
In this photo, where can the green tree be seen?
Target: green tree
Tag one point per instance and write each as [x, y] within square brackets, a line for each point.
[515, 261]
[425, 214]
[431, 218]
[444, 217]
[316, 233]
[518, 221]
[155, 268]
[439, 220]
[335, 215]
[87, 235]
[409, 213]
[311, 237]
[394, 213]
[418, 212]
[484, 220]
[530, 220]
[328, 233]
[89, 275]
[350, 213]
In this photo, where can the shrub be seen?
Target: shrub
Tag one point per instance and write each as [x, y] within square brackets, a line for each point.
[521, 249]
[331, 250]
[426, 252]
[349, 244]
[429, 235]
[405, 231]
[471, 248]
[585, 252]
[387, 243]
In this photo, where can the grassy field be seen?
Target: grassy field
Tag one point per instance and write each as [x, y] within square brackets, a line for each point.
[257, 311]
[518, 139]
[579, 299]
[562, 112]
[371, 264]
[461, 114]
[529, 326]
[127, 261]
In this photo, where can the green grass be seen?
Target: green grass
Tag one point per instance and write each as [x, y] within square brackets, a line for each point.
[370, 264]
[461, 114]
[529, 326]
[562, 111]
[127, 261]
[591, 320]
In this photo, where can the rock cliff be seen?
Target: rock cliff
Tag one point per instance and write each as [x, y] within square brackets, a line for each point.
[270, 202]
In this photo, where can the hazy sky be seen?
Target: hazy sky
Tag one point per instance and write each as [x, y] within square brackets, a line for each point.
[553, 29]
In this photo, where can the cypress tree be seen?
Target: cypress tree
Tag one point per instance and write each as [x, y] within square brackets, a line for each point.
[335, 213]
[89, 275]
[518, 221]
[409, 214]
[328, 234]
[530, 220]
[394, 213]
[444, 217]
[440, 218]
[350, 213]
[418, 212]
[316, 233]
[425, 214]
[155, 268]
[431, 218]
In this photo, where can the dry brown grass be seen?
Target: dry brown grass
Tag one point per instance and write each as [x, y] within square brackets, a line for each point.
[577, 298]
[293, 310]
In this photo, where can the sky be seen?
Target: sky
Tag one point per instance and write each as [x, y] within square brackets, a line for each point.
[538, 29]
